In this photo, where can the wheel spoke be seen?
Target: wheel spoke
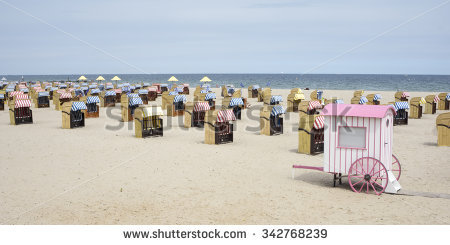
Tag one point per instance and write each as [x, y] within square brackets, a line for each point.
[362, 167]
[357, 182]
[361, 187]
[375, 190]
[379, 184]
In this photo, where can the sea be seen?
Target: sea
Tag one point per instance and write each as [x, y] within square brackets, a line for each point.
[374, 82]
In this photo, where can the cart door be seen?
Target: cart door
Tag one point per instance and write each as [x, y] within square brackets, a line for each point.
[388, 127]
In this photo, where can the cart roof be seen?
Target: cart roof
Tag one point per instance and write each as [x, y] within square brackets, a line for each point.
[354, 110]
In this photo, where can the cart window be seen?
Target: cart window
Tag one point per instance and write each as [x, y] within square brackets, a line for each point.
[352, 137]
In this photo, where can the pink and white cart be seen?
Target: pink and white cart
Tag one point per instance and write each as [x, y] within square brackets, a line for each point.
[358, 145]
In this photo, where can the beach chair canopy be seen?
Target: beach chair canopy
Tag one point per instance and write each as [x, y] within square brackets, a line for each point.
[422, 101]
[95, 91]
[204, 91]
[84, 84]
[315, 104]
[92, 99]
[201, 106]
[146, 84]
[210, 96]
[153, 89]
[173, 93]
[143, 91]
[363, 100]
[135, 101]
[78, 105]
[2, 96]
[256, 86]
[185, 85]
[179, 89]
[299, 97]
[65, 95]
[13, 93]
[22, 103]
[277, 110]
[339, 101]
[76, 85]
[43, 94]
[401, 105]
[206, 86]
[164, 85]
[319, 122]
[276, 98]
[405, 94]
[92, 86]
[110, 93]
[319, 94]
[436, 99]
[236, 102]
[62, 86]
[133, 96]
[152, 111]
[137, 86]
[118, 90]
[84, 88]
[225, 116]
[180, 97]
[21, 96]
[25, 90]
[109, 86]
[9, 90]
[377, 97]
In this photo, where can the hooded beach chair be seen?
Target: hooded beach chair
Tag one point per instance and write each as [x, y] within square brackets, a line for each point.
[273, 100]
[129, 103]
[143, 93]
[264, 93]
[443, 129]
[2, 101]
[20, 110]
[148, 121]
[43, 99]
[401, 96]
[416, 104]
[294, 99]
[444, 101]
[73, 115]
[358, 93]
[311, 134]
[194, 114]
[362, 100]
[62, 98]
[92, 110]
[176, 107]
[309, 107]
[152, 93]
[235, 104]
[219, 127]
[108, 98]
[253, 91]
[316, 95]
[271, 119]
[401, 116]
[373, 99]
[430, 106]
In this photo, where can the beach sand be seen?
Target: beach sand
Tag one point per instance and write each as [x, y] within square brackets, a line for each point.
[94, 175]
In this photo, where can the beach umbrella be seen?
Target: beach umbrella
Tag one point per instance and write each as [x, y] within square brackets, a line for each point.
[172, 79]
[100, 78]
[82, 78]
[205, 79]
[116, 78]
[4, 79]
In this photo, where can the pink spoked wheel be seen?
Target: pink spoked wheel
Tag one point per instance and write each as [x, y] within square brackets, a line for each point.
[396, 167]
[368, 174]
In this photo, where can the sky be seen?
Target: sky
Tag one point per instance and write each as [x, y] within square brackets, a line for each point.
[233, 36]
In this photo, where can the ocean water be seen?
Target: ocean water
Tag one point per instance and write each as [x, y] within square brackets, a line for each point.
[284, 81]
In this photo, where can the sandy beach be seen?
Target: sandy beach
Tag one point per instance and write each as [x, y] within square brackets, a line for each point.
[95, 175]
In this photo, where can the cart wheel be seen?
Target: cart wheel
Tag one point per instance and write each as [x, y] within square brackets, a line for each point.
[396, 167]
[367, 174]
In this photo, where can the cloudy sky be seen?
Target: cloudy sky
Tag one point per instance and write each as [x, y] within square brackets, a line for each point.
[232, 36]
